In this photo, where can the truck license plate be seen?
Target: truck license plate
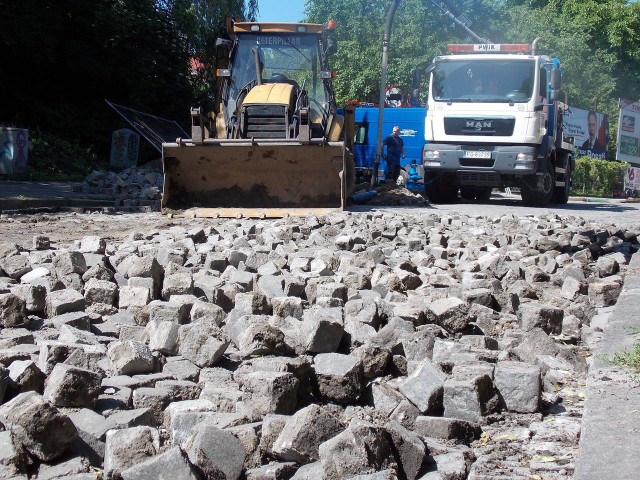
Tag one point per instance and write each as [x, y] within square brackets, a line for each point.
[477, 154]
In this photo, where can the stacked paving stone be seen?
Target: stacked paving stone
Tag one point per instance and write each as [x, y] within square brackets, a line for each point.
[352, 346]
[132, 187]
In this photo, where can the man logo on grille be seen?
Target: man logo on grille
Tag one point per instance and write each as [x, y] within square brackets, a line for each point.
[479, 125]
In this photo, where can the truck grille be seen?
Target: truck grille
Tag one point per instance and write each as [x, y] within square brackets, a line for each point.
[500, 126]
[265, 121]
[479, 179]
[477, 162]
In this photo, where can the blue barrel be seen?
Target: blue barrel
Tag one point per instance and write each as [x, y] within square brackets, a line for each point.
[363, 197]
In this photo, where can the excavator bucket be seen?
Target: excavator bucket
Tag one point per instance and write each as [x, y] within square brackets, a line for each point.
[268, 178]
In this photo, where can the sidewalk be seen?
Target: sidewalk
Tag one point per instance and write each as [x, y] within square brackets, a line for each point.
[610, 433]
[34, 195]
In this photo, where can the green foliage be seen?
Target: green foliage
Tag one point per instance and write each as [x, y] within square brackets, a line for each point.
[595, 177]
[53, 158]
[597, 41]
[62, 58]
[628, 358]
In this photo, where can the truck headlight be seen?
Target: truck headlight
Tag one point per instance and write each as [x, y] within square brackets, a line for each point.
[525, 161]
[431, 158]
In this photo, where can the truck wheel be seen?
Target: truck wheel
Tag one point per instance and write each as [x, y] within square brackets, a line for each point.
[467, 192]
[562, 193]
[543, 196]
[440, 188]
[483, 194]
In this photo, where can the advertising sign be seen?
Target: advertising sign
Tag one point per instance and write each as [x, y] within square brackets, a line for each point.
[590, 130]
[632, 179]
[629, 132]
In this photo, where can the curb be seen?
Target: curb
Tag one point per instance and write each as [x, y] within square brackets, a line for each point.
[21, 204]
[611, 421]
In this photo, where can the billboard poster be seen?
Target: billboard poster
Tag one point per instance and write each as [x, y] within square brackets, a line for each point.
[629, 132]
[632, 179]
[590, 130]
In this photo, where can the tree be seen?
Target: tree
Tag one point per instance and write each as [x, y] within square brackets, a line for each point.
[62, 58]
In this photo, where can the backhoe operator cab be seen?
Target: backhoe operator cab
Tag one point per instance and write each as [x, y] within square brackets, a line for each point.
[277, 84]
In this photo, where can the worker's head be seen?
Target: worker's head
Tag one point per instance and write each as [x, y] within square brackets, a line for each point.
[396, 130]
[591, 123]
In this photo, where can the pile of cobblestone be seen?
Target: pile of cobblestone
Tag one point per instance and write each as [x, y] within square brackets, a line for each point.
[352, 346]
[132, 187]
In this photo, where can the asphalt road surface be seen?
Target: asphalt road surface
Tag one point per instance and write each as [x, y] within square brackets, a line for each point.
[606, 211]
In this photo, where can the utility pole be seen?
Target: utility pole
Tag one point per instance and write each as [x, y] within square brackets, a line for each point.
[383, 86]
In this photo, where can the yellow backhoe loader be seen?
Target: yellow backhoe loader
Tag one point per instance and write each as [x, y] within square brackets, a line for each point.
[276, 146]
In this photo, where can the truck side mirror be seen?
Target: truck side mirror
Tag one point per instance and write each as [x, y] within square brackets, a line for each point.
[556, 79]
[430, 68]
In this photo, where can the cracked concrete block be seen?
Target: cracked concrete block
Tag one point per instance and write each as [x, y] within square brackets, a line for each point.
[424, 387]
[64, 301]
[23, 376]
[410, 450]
[538, 315]
[13, 310]
[171, 464]
[469, 395]
[321, 330]
[130, 357]
[202, 343]
[69, 386]
[162, 336]
[100, 291]
[254, 335]
[338, 377]
[39, 427]
[66, 263]
[270, 392]
[303, 433]
[216, 452]
[446, 428]
[125, 448]
[179, 283]
[133, 296]
[360, 448]
[519, 386]
[16, 266]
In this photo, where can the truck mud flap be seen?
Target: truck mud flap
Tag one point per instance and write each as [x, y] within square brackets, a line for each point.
[240, 178]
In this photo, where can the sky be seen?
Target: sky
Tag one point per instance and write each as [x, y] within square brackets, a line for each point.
[280, 10]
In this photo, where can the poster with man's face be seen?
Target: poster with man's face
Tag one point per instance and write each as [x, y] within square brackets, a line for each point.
[590, 130]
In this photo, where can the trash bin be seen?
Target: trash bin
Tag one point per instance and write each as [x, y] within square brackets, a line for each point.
[14, 151]
[124, 148]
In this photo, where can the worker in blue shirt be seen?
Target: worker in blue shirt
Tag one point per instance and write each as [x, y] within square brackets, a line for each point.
[395, 150]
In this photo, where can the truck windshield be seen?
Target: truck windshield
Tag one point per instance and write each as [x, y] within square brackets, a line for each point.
[290, 57]
[483, 80]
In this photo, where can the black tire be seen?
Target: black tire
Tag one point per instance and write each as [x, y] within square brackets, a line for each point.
[467, 192]
[562, 193]
[483, 194]
[440, 188]
[541, 198]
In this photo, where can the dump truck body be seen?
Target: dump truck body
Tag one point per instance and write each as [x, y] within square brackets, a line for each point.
[275, 147]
